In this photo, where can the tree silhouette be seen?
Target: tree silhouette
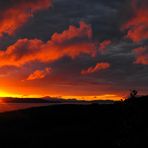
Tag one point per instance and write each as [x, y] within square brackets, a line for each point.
[133, 93]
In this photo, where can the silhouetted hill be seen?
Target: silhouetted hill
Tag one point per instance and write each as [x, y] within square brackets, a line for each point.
[124, 124]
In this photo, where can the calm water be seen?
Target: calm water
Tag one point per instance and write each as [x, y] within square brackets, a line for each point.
[5, 107]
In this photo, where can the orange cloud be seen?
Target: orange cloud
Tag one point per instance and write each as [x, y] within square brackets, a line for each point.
[14, 16]
[39, 74]
[72, 42]
[21, 52]
[84, 32]
[137, 26]
[96, 68]
[141, 55]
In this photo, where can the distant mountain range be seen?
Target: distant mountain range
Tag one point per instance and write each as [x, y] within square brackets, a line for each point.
[53, 100]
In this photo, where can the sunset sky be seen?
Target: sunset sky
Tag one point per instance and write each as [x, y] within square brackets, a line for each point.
[85, 49]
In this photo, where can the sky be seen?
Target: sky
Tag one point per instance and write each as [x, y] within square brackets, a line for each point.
[88, 49]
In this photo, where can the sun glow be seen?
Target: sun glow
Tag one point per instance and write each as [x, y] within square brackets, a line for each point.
[6, 94]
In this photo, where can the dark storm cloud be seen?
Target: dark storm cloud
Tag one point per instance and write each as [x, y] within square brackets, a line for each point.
[101, 14]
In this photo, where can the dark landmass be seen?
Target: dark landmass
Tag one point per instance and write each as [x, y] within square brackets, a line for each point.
[53, 100]
[122, 124]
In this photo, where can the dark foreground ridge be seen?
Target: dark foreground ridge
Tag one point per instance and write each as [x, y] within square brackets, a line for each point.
[121, 124]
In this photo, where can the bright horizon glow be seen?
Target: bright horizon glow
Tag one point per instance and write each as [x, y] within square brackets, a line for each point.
[88, 98]
[6, 94]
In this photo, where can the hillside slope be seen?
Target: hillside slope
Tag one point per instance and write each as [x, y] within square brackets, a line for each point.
[118, 125]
